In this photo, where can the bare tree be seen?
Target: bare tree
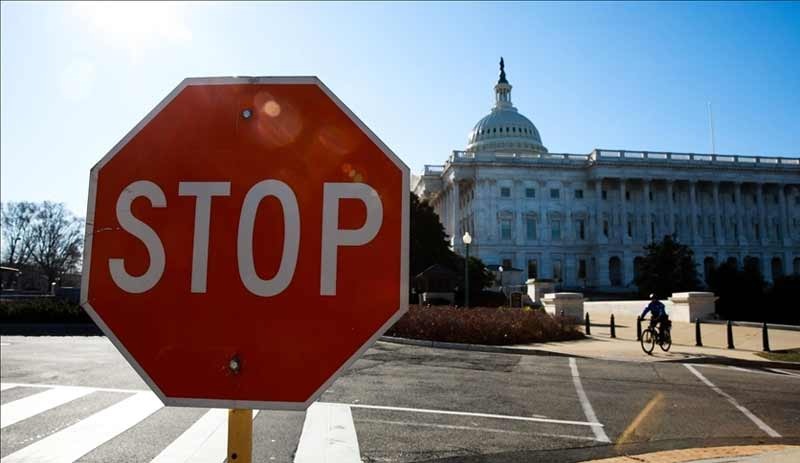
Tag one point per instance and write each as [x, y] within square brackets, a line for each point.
[17, 230]
[58, 240]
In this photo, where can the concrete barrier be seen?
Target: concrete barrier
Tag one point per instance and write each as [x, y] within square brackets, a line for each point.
[571, 304]
[687, 307]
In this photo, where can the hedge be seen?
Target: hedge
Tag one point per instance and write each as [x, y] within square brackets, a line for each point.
[489, 326]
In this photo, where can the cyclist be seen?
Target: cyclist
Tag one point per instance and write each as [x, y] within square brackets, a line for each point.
[659, 318]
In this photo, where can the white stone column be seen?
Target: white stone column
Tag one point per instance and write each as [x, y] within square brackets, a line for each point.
[598, 215]
[740, 210]
[763, 227]
[670, 207]
[454, 215]
[717, 215]
[693, 209]
[648, 219]
[784, 217]
[624, 210]
[519, 216]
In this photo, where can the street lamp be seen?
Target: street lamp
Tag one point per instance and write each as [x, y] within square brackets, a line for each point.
[467, 239]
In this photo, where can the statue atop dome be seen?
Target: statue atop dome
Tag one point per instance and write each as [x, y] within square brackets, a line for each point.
[502, 79]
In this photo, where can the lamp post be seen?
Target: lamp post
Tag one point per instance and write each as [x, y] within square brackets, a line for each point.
[467, 238]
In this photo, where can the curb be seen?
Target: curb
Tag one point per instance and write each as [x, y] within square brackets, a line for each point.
[471, 347]
[772, 326]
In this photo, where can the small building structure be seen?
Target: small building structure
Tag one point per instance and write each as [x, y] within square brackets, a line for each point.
[436, 283]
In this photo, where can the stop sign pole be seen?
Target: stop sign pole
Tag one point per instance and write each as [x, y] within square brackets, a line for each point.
[245, 243]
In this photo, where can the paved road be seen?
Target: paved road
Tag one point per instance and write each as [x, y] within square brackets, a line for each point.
[398, 403]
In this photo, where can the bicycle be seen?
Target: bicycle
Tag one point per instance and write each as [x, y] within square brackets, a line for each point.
[651, 336]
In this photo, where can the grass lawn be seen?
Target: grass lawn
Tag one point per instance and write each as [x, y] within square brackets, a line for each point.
[789, 355]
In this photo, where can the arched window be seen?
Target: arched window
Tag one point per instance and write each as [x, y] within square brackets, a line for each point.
[708, 268]
[777, 267]
[637, 267]
[615, 271]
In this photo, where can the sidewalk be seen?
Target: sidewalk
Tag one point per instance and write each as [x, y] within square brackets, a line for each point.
[747, 341]
[740, 454]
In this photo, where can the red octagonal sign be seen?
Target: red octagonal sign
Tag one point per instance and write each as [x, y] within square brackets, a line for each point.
[245, 242]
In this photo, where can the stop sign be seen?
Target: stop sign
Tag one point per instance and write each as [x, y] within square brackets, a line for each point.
[245, 242]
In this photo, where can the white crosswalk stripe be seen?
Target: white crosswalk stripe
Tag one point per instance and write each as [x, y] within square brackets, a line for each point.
[328, 435]
[71, 443]
[212, 430]
[31, 405]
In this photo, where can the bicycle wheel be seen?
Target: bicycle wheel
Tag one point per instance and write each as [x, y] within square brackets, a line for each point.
[648, 341]
[666, 341]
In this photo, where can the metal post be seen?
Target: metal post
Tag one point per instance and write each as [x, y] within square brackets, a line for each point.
[698, 339]
[730, 335]
[613, 327]
[240, 435]
[466, 277]
[639, 328]
[588, 328]
[765, 337]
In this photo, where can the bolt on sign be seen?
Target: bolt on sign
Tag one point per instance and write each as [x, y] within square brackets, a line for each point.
[245, 242]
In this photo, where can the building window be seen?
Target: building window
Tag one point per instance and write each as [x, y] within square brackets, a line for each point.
[557, 270]
[530, 192]
[605, 228]
[673, 196]
[604, 194]
[627, 196]
[653, 230]
[777, 231]
[505, 192]
[530, 228]
[581, 268]
[650, 194]
[505, 229]
[578, 194]
[581, 229]
[555, 230]
[507, 265]
[630, 229]
[757, 231]
[533, 268]
[554, 193]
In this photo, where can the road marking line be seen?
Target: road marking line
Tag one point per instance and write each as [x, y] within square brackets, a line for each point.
[328, 435]
[599, 432]
[205, 441]
[764, 427]
[6, 386]
[793, 374]
[628, 432]
[26, 407]
[93, 389]
[473, 428]
[79, 439]
[480, 415]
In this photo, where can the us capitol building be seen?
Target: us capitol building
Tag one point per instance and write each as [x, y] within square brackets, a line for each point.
[584, 219]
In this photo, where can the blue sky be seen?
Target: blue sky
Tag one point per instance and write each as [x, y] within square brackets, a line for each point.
[77, 77]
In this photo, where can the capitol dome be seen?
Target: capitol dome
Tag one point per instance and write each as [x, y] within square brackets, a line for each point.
[505, 129]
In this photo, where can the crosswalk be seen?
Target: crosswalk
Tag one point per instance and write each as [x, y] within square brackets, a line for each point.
[204, 441]
[328, 430]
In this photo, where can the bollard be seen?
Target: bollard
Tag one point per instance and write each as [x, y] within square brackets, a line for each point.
[698, 339]
[613, 327]
[639, 328]
[765, 337]
[730, 335]
[588, 328]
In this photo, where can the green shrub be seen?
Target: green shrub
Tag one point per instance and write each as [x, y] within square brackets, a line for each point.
[483, 325]
[41, 310]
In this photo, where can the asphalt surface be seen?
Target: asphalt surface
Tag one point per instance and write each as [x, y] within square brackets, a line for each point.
[411, 403]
